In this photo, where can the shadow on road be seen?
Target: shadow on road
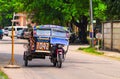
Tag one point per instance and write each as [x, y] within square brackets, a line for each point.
[5, 58]
[41, 66]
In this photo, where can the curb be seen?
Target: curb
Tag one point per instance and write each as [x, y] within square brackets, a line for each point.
[111, 56]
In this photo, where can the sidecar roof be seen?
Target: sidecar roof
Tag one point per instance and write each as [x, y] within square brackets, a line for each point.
[50, 27]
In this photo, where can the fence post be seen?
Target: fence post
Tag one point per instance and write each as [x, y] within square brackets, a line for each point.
[111, 35]
[102, 36]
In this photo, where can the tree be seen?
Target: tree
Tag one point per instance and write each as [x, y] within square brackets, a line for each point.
[62, 12]
[59, 12]
[5, 13]
[113, 9]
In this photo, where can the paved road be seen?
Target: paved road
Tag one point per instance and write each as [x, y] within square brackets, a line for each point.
[76, 66]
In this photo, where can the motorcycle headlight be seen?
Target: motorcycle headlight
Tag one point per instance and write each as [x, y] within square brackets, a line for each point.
[60, 45]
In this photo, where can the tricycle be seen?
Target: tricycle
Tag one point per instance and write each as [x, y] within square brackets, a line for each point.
[47, 40]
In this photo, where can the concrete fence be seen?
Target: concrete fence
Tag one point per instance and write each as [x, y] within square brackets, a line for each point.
[111, 35]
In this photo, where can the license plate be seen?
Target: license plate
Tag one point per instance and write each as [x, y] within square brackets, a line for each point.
[60, 52]
[42, 46]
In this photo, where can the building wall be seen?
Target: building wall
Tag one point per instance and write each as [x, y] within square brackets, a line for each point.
[21, 20]
[116, 36]
[111, 35]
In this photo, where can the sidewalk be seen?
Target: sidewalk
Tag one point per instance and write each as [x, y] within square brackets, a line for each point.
[111, 53]
[107, 53]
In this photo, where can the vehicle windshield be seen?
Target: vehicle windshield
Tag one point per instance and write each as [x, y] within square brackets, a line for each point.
[19, 29]
[41, 32]
[59, 33]
[10, 29]
[6, 29]
[54, 33]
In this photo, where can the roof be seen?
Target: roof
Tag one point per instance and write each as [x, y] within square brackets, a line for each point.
[50, 26]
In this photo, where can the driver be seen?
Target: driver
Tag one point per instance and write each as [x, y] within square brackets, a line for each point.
[31, 39]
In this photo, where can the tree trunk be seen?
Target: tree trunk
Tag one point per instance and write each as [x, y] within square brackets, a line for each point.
[83, 31]
[82, 25]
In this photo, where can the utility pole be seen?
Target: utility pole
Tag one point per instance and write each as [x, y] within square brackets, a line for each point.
[91, 23]
[12, 64]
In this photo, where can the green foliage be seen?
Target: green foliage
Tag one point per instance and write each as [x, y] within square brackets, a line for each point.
[60, 11]
[113, 9]
[6, 11]
[3, 75]
[91, 51]
[99, 8]
[52, 11]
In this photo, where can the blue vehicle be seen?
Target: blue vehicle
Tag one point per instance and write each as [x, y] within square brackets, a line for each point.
[1, 33]
[48, 40]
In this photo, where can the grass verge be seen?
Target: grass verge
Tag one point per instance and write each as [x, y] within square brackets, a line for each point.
[3, 75]
[91, 50]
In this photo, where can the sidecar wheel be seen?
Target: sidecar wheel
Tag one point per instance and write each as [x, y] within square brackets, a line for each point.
[1, 37]
[54, 64]
[24, 55]
[26, 62]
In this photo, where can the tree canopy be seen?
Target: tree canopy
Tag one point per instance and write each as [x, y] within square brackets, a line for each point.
[113, 9]
[5, 12]
[60, 11]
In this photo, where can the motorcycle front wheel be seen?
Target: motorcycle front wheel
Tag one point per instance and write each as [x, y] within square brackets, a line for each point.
[59, 60]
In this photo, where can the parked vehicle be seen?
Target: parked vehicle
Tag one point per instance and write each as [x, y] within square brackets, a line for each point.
[26, 34]
[20, 34]
[6, 31]
[47, 40]
[15, 30]
[1, 33]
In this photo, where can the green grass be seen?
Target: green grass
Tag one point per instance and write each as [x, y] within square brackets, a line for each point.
[3, 75]
[91, 51]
